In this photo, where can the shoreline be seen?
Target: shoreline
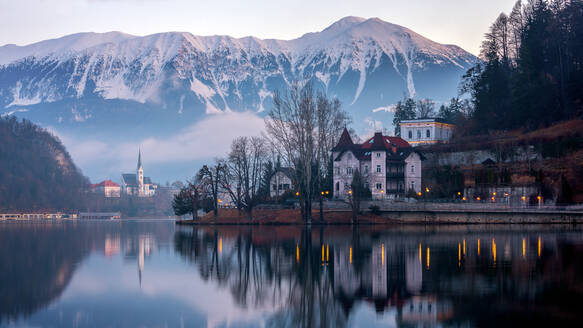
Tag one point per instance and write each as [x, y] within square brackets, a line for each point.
[390, 217]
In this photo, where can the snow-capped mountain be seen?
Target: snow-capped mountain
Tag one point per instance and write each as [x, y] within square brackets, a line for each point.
[366, 63]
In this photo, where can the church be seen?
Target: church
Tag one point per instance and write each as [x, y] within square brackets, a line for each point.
[389, 165]
[136, 184]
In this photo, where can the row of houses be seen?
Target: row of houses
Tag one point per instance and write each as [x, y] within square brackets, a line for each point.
[132, 184]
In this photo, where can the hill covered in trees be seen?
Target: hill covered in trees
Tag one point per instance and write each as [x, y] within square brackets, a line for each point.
[36, 171]
[532, 70]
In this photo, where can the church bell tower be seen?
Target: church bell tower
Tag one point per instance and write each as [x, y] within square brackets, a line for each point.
[140, 174]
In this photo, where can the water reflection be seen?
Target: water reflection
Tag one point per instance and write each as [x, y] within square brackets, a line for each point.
[404, 276]
[142, 273]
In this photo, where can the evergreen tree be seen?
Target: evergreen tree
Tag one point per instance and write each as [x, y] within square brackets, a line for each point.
[404, 110]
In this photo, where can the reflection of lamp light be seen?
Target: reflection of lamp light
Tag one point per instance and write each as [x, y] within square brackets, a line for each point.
[350, 192]
[327, 192]
[464, 198]
[494, 193]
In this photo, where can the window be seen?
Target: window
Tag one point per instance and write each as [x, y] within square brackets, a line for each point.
[366, 185]
[412, 168]
[428, 133]
[338, 171]
[378, 155]
[274, 187]
[379, 186]
[410, 134]
[366, 169]
[337, 186]
[379, 169]
[413, 185]
[349, 170]
[349, 156]
[418, 134]
[286, 186]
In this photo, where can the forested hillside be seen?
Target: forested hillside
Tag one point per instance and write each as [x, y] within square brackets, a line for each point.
[532, 70]
[36, 172]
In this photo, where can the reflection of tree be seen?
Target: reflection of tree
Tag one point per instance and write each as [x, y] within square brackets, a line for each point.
[313, 279]
[37, 264]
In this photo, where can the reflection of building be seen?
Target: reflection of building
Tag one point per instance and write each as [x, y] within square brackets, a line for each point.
[281, 181]
[389, 166]
[112, 245]
[107, 188]
[136, 184]
[426, 131]
[379, 272]
[345, 278]
[425, 309]
[413, 273]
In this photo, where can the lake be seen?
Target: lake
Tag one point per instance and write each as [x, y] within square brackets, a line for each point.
[154, 274]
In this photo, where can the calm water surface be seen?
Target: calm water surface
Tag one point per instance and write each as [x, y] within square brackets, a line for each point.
[153, 274]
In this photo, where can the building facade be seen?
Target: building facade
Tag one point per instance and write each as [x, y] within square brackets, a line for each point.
[136, 184]
[107, 188]
[426, 131]
[389, 165]
[281, 181]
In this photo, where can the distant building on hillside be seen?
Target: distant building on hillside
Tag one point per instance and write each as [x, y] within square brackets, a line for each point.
[107, 188]
[136, 184]
[389, 165]
[281, 181]
[426, 131]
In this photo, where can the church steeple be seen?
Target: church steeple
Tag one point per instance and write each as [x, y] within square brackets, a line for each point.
[139, 158]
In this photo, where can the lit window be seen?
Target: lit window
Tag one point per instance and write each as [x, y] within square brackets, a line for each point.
[379, 169]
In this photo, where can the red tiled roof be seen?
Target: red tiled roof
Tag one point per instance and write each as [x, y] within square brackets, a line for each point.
[379, 142]
[106, 183]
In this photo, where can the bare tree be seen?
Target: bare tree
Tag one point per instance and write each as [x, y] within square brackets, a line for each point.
[210, 176]
[425, 108]
[355, 194]
[300, 127]
[246, 160]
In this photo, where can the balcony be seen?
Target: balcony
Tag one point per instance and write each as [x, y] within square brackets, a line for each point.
[395, 175]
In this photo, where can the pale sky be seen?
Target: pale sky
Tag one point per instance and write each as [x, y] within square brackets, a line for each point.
[460, 22]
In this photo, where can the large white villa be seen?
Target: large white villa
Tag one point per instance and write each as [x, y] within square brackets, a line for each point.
[426, 131]
[389, 164]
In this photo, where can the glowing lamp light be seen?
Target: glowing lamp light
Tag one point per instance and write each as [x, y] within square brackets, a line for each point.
[539, 197]
[382, 191]
[459, 193]
[523, 198]
[297, 193]
[478, 198]
[494, 193]
[322, 193]
[220, 200]
[327, 192]
[419, 193]
[426, 189]
[464, 199]
[350, 192]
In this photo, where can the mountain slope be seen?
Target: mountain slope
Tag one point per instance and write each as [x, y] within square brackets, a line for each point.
[367, 63]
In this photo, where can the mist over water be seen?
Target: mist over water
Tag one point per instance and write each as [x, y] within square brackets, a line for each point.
[151, 273]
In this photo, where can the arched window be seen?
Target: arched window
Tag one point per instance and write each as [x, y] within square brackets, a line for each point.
[410, 134]
[428, 133]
